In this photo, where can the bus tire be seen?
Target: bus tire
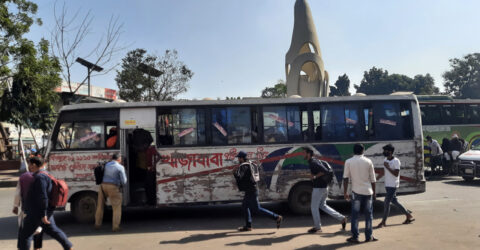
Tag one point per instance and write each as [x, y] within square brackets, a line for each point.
[467, 178]
[300, 197]
[84, 207]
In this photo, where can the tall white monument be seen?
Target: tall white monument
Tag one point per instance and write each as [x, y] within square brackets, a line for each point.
[306, 75]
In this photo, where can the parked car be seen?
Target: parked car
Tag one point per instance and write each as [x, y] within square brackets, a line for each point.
[469, 166]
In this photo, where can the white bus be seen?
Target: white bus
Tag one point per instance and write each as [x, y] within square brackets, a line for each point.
[198, 141]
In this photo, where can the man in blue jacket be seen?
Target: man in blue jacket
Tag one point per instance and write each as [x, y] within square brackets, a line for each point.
[113, 179]
[38, 210]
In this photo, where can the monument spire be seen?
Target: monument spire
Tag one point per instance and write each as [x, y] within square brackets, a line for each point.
[306, 75]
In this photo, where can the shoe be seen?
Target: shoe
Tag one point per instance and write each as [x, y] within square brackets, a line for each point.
[371, 239]
[117, 229]
[244, 229]
[344, 223]
[314, 230]
[408, 221]
[353, 240]
[279, 221]
[382, 224]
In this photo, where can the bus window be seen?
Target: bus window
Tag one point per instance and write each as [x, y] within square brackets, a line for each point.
[255, 126]
[274, 124]
[369, 124]
[165, 128]
[473, 113]
[88, 135]
[317, 124]
[305, 131]
[64, 137]
[391, 122]
[333, 123]
[294, 127]
[430, 114]
[188, 126]
[406, 119]
[112, 136]
[353, 125]
[231, 125]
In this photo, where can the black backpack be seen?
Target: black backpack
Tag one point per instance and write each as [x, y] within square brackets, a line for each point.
[98, 171]
[327, 177]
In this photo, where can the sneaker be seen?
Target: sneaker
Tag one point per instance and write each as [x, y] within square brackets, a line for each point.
[353, 240]
[314, 230]
[371, 239]
[244, 229]
[279, 221]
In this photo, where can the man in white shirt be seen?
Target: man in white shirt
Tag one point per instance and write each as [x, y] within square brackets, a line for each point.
[360, 172]
[391, 165]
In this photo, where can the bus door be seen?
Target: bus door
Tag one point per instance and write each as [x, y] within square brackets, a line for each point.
[138, 130]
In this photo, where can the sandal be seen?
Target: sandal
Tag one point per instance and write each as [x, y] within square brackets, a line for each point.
[344, 223]
[279, 221]
[244, 229]
[408, 221]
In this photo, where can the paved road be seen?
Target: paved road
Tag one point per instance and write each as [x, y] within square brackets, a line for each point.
[447, 217]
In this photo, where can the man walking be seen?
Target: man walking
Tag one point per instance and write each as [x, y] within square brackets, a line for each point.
[318, 169]
[360, 172]
[113, 179]
[39, 211]
[391, 165]
[247, 183]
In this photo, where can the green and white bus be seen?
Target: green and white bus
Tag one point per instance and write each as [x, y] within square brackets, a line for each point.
[198, 141]
[443, 117]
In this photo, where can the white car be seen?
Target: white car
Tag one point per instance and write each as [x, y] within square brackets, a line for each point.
[469, 166]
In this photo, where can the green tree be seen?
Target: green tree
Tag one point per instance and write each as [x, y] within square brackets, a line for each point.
[16, 17]
[277, 91]
[29, 101]
[145, 77]
[377, 81]
[341, 86]
[463, 79]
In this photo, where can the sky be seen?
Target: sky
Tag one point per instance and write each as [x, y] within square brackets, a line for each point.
[238, 47]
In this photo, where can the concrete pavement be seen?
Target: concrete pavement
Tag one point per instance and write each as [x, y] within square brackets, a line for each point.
[446, 218]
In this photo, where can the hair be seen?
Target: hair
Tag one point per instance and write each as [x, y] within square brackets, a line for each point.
[389, 147]
[36, 160]
[115, 157]
[429, 137]
[358, 149]
[308, 150]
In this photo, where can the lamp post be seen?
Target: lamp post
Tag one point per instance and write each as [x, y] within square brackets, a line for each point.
[150, 71]
[90, 67]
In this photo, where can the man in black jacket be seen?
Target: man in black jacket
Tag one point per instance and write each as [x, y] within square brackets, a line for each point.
[319, 169]
[38, 210]
[246, 183]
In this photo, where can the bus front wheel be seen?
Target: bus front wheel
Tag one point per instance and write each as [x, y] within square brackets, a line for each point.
[84, 207]
[299, 198]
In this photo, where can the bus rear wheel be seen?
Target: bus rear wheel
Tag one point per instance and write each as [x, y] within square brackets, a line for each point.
[300, 198]
[84, 207]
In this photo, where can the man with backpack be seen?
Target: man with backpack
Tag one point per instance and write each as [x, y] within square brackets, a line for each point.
[322, 176]
[39, 208]
[247, 176]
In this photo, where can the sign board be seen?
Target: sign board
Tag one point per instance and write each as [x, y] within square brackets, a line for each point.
[137, 118]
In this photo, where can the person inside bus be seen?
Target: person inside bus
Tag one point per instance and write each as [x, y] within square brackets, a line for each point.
[112, 137]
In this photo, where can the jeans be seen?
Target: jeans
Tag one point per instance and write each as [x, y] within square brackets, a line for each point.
[362, 201]
[250, 204]
[392, 197]
[319, 200]
[31, 223]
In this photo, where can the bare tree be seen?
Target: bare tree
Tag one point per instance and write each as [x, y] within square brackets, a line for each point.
[70, 34]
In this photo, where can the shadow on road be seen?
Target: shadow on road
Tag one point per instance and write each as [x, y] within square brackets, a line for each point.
[473, 183]
[195, 218]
